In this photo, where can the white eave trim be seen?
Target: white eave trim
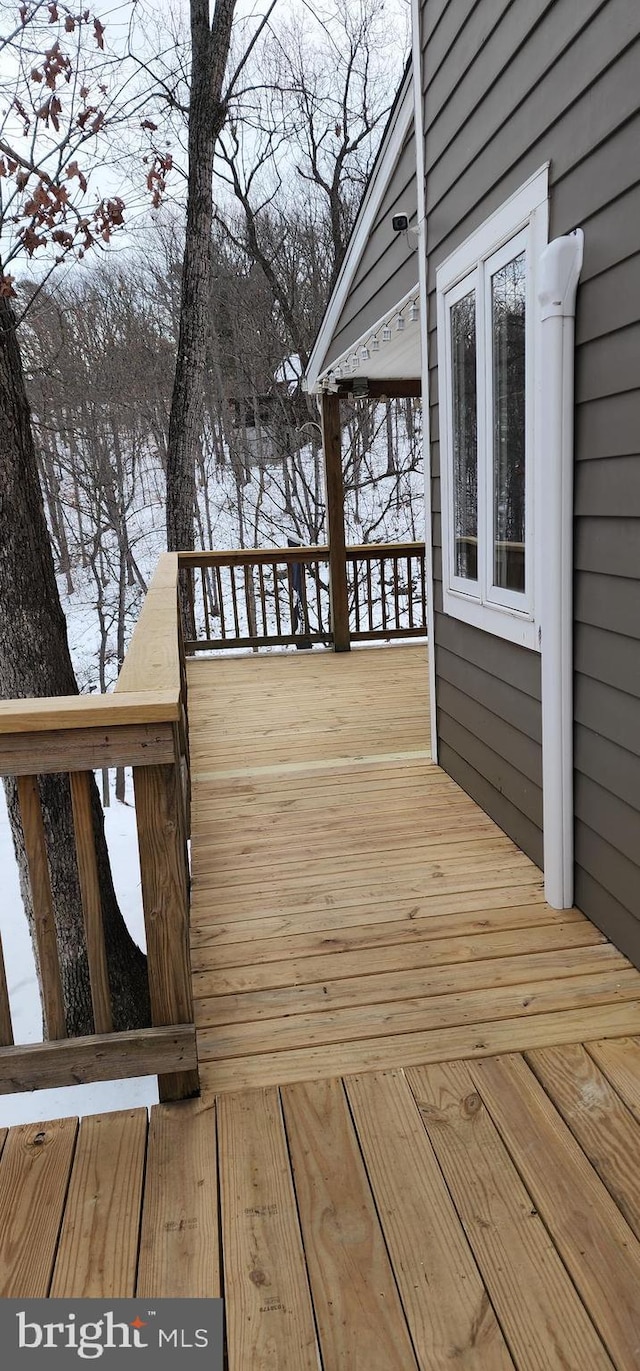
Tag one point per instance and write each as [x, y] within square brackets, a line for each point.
[374, 194]
[351, 362]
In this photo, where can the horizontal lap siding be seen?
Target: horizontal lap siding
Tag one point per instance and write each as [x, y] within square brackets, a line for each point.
[509, 85]
[388, 268]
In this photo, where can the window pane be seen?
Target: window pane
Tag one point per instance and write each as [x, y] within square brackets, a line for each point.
[465, 437]
[508, 330]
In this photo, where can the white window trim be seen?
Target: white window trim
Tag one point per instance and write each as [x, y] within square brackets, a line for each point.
[524, 213]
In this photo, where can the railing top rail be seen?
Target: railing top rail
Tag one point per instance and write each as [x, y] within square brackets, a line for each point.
[265, 556]
[148, 687]
[153, 655]
[46, 714]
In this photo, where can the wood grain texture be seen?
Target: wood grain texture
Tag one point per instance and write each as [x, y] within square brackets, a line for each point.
[411, 1049]
[88, 711]
[393, 986]
[358, 1310]
[620, 1063]
[543, 1319]
[606, 1131]
[443, 1296]
[268, 1306]
[34, 1174]
[179, 1255]
[596, 1244]
[86, 749]
[91, 901]
[42, 900]
[98, 1249]
[73, 1061]
[164, 874]
[405, 952]
[423, 1014]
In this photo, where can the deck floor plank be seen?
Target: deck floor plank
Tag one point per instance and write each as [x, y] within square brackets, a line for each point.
[544, 1321]
[34, 1175]
[358, 1310]
[449, 1315]
[605, 1129]
[268, 1306]
[620, 1063]
[98, 1251]
[595, 1242]
[179, 1250]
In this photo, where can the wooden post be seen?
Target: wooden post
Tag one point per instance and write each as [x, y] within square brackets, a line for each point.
[334, 486]
[163, 868]
[43, 916]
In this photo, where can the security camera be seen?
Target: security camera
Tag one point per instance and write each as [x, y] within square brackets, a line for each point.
[400, 223]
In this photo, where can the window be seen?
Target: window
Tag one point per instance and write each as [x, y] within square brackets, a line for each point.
[487, 366]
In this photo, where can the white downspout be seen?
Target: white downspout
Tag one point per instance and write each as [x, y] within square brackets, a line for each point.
[560, 266]
[416, 62]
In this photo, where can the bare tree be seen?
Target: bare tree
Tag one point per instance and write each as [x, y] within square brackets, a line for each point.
[53, 112]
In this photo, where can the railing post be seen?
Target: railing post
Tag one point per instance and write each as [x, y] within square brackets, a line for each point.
[165, 896]
[334, 488]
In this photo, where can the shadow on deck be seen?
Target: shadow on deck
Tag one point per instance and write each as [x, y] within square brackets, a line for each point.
[419, 1136]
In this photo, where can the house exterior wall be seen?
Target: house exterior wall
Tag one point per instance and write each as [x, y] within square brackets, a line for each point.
[507, 86]
[388, 267]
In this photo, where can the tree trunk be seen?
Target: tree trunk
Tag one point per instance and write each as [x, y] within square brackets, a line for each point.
[35, 661]
[207, 112]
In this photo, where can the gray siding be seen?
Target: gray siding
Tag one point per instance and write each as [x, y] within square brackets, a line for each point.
[508, 85]
[388, 268]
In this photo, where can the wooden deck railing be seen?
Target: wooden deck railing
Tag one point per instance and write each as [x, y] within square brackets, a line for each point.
[143, 724]
[265, 597]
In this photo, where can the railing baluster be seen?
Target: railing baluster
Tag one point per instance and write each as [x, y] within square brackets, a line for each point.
[91, 901]
[45, 928]
[293, 628]
[223, 633]
[263, 600]
[316, 575]
[423, 588]
[410, 592]
[234, 598]
[276, 596]
[304, 607]
[250, 602]
[396, 596]
[204, 602]
[383, 596]
[6, 1029]
[356, 593]
[369, 594]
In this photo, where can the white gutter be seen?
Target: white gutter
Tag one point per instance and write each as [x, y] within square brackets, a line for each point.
[416, 56]
[560, 266]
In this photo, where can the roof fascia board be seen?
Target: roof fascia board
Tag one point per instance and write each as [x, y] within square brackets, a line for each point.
[397, 130]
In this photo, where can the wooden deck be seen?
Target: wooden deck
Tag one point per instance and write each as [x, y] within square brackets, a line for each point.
[481, 1214]
[352, 908]
[419, 1141]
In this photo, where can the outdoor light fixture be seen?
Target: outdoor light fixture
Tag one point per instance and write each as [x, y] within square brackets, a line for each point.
[400, 323]
[386, 334]
[338, 373]
[375, 344]
[364, 354]
[413, 311]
